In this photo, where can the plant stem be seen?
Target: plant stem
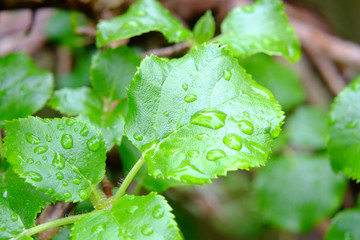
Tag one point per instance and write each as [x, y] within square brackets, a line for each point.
[98, 198]
[51, 224]
[1, 147]
[139, 185]
[128, 179]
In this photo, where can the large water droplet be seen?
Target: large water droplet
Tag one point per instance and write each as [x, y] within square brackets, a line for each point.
[41, 149]
[185, 86]
[258, 89]
[227, 75]
[30, 138]
[158, 212]
[14, 217]
[212, 118]
[138, 136]
[98, 228]
[83, 194]
[215, 154]
[67, 195]
[93, 144]
[59, 176]
[50, 191]
[33, 176]
[60, 127]
[246, 127]
[76, 181]
[30, 160]
[66, 141]
[147, 230]
[84, 131]
[70, 121]
[48, 138]
[132, 209]
[274, 133]
[58, 161]
[233, 141]
[190, 98]
[38, 163]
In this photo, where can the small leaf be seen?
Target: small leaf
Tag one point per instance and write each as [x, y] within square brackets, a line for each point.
[112, 71]
[343, 136]
[345, 226]
[143, 16]
[260, 27]
[297, 193]
[22, 197]
[228, 124]
[134, 217]
[204, 28]
[10, 223]
[62, 157]
[24, 89]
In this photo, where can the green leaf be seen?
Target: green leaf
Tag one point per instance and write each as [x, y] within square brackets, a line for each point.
[10, 223]
[260, 27]
[200, 116]
[22, 197]
[62, 157]
[131, 217]
[63, 234]
[296, 193]
[24, 89]
[112, 71]
[142, 17]
[345, 226]
[307, 127]
[282, 81]
[204, 28]
[343, 136]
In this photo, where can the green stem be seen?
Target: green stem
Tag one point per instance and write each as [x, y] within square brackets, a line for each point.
[98, 198]
[128, 179]
[1, 147]
[139, 185]
[51, 224]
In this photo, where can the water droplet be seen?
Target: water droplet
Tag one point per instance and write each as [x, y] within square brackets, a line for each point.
[261, 90]
[212, 118]
[76, 181]
[84, 131]
[33, 176]
[248, 9]
[201, 136]
[147, 230]
[227, 75]
[215, 154]
[158, 212]
[70, 121]
[132, 209]
[246, 114]
[138, 136]
[59, 176]
[246, 127]
[193, 153]
[65, 183]
[166, 113]
[66, 141]
[14, 217]
[44, 157]
[190, 98]
[156, 173]
[233, 141]
[130, 24]
[140, 13]
[58, 161]
[274, 133]
[48, 138]
[30, 160]
[98, 228]
[38, 163]
[30, 138]
[75, 130]
[60, 127]
[50, 191]
[185, 86]
[83, 194]
[41, 149]
[93, 144]
[67, 195]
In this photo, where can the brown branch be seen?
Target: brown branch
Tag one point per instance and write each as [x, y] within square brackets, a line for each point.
[168, 51]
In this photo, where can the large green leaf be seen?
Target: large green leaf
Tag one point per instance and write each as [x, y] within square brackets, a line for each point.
[131, 217]
[22, 197]
[344, 128]
[143, 16]
[345, 226]
[296, 193]
[261, 27]
[62, 157]
[281, 80]
[204, 28]
[10, 223]
[24, 89]
[200, 116]
[112, 71]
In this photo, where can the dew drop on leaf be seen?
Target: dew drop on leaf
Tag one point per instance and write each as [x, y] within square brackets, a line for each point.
[274, 133]
[50, 191]
[138, 136]
[93, 144]
[65, 183]
[212, 118]
[33, 176]
[76, 181]
[98, 228]
[260, 91]
[201, 136]
[248, 9]
[147, 230]
[185, 86]
[140, 13]
[158, 212]
[166, 113]
[60, 127]
[14, 217]
[130, 24]
[233, 141]
[67, 195]
[83, 194]
[215, 154]
[41, 149]
[30, 138]
[48, 138]
[132, 209]
[193, 153]
[44, 157]
[84, 131]
[227, 75]
[190, 98]
[58, 161]
[30, 160]
[38, 163]
[70, 122]
[59, 176]
[246, 127]
[66, 141]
